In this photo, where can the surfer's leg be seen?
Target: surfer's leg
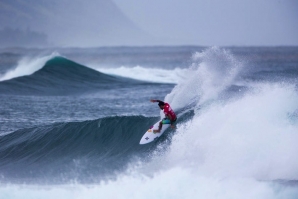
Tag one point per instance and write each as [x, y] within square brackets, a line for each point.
[166, 121]
[159, 128]
[172, 124]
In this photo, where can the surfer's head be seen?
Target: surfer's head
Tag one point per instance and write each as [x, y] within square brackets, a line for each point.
[161, 105]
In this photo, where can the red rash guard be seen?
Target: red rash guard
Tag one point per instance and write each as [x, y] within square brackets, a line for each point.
[169, 111]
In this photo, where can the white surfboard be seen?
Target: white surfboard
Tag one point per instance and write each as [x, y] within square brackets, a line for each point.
[150, 136]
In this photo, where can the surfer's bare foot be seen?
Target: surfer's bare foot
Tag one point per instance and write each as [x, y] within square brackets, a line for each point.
[156, 131]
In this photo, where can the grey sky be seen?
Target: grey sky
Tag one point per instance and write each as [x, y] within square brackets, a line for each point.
[216, 22]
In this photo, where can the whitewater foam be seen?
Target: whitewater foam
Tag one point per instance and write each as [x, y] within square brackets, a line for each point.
[27, 66]
[252, 137]
[156, 75]
[173, 183]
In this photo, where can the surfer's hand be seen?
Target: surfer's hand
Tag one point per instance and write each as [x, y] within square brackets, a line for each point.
[152, 100]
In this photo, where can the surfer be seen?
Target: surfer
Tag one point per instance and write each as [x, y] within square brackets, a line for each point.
[170, 116]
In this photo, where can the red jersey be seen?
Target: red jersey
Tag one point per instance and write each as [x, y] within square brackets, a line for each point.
[169, 111]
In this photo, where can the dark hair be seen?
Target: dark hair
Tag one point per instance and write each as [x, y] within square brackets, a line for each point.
[161, 103]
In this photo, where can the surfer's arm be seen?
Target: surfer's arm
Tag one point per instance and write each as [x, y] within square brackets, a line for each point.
[153, 100]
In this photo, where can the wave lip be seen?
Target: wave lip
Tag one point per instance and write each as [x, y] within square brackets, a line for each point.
[60, 76]
[27, 66]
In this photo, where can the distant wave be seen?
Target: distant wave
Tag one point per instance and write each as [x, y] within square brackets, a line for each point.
[157, 75]
[58, 76]
[27, 66]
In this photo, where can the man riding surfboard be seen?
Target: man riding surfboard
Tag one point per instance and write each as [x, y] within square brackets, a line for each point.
[170, 116]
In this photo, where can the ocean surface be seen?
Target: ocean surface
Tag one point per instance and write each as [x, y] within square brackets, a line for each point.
[71, 120]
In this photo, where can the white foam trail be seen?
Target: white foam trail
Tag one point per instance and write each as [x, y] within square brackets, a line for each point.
[212, 71]
[27, 66]
[147, 74]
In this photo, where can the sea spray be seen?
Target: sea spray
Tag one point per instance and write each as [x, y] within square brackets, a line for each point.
[251, 137]
[211, 72]
[27, 66]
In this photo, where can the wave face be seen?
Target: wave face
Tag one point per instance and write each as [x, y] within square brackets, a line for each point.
[59, 76]
[85, 151]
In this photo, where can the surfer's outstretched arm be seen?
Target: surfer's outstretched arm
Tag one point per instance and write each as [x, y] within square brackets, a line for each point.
[153, 100]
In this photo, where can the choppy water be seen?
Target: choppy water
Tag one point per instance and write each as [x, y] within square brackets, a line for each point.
[71, 121]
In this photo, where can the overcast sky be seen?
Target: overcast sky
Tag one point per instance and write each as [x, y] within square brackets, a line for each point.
[216, 22]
